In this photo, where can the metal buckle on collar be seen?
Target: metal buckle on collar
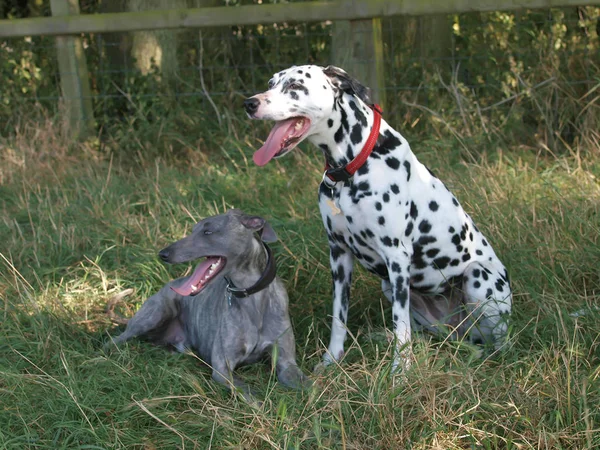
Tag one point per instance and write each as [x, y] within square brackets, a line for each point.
[328, 181]
[240, 292]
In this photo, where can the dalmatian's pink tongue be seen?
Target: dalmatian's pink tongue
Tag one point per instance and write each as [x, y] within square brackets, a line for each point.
[279, 138]
[203, 273]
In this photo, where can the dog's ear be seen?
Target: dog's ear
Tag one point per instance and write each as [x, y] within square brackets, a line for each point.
[256, 223]
[345, 83]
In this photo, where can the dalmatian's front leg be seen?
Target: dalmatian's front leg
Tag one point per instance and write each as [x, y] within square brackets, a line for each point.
[341, 261]
[399, 273]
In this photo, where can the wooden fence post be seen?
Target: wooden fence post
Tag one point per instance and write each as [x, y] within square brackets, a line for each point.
[74, 77]
[358, 49]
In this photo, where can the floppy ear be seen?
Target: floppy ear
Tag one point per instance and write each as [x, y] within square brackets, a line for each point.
[256, 223]
[340, 79]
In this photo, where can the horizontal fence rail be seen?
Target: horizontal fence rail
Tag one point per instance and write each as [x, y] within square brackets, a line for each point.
[261, 14]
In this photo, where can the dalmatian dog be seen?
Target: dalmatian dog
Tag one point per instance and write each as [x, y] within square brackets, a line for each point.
[383, 207]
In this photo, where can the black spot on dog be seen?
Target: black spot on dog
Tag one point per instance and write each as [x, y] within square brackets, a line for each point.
[386, 143]
[387, 241]
[396, 267]
[350, 152]
[395, 189]
[478, 252]
[454, 201]
[330, 123]
[378, 206]
[294, 95]
[459, 248]
[499, 284]
[325, 191]
[433, 206]
[381, 220]
[336, 251]
[489, 293]
[414, 212]
[477, 285]
[401, 294]
[339, 274]
[379, 269]
[485, 276]
[466, 257]
[369, 233]
[396, 242]
[441, 262]
[367, 258]
[386, 197]
[451, 230]
[484, 242]
[409, 229]
[432, 252]
[417, 277]
[454, 262]
[349, 219]
[407, 167]
[476, 273]
[329, 225]
[471, 237]
[424, 226]
[308, 75]
[363, 186]
[339, 134]
[426, 240]
[356, 135]
[360, 117]
[363, 169]
[344, 119]
[417, 260]
[360, 240]
[392, 162]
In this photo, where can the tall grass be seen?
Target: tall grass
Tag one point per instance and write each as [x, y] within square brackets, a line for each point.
[82, 222]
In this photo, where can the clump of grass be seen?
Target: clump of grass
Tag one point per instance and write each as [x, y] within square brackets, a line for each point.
[75, 231]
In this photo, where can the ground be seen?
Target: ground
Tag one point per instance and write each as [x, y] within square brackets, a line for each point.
[78, 229]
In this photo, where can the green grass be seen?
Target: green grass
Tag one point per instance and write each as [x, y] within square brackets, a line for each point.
[77, 227]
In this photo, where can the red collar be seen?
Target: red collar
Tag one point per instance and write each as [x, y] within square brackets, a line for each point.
[345, 173]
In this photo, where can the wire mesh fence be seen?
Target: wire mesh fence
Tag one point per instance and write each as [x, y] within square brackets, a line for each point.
[531, 71]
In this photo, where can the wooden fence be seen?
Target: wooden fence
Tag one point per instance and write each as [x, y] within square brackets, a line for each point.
[363, 15]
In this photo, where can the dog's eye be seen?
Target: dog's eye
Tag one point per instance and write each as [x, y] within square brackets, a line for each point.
[294, 86]
[207, 232]
[271, 83]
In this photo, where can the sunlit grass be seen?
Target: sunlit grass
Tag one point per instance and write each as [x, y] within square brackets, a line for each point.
[76, 230]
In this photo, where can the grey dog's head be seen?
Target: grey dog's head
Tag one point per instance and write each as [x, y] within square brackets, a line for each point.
[300, 100]
[224, 240]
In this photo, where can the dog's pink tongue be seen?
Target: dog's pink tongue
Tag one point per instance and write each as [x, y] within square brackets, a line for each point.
[194, 280]
[274, 142]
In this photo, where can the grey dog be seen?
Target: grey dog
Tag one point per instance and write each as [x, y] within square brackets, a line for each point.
[232, 310]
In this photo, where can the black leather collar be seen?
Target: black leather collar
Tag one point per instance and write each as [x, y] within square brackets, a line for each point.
[264, 281]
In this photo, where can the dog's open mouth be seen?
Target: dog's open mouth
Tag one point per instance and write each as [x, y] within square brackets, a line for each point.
[204, 272]
[284, 136]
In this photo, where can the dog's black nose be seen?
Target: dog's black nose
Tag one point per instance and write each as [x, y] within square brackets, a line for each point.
[164, 254]
[251, 105]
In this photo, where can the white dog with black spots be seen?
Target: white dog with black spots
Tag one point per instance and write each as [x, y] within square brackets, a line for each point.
[392, 214]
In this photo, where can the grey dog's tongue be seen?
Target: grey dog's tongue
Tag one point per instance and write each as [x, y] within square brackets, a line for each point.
[185, 288]
[274, 142]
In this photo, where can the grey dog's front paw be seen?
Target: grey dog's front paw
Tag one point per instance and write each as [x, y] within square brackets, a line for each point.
[293, 378]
